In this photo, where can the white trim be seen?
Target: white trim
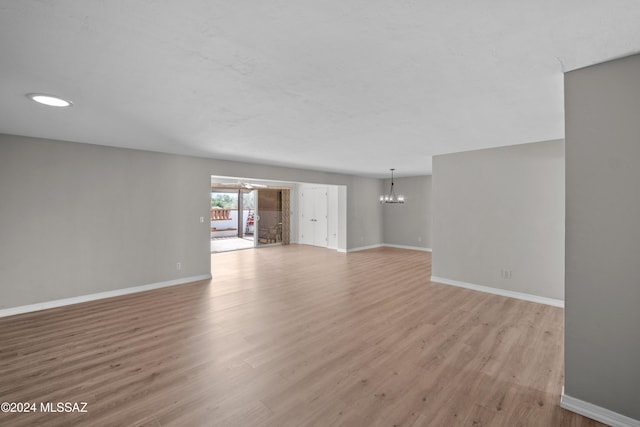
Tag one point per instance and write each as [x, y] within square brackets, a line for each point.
[505, 293]
[596, 412]
[100, 295]
[364, 248]
[386, 245]
[342, 251]
[413, 248]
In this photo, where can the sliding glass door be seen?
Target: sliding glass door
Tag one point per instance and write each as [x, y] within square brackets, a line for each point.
[269, 208]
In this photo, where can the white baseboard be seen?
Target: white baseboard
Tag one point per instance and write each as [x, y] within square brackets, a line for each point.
[100, 295]
[413, 248]
[385, 245]
[497, 291]
[596, 412]
[364, 248]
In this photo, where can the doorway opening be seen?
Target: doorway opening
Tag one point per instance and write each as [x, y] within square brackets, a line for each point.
[232, 219]
[248, 215]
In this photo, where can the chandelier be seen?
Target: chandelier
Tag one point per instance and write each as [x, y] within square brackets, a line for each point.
[391, 196]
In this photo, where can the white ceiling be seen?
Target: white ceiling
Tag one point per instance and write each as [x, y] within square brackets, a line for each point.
[355, 86]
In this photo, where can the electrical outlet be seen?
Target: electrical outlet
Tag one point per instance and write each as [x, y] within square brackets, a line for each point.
[201, 220]
[178, 266]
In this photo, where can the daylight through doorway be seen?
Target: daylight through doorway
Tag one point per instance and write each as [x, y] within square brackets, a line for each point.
[233, 214]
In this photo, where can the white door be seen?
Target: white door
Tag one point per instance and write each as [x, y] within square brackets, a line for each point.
[306, 217]
[313, 217]
[320, 232]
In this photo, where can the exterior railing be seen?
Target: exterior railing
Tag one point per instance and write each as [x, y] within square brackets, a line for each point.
[219, 214]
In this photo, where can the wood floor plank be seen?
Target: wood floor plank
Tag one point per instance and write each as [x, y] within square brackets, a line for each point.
[293, 336]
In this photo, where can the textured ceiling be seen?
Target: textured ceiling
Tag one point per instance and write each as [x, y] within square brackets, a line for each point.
[347, 86]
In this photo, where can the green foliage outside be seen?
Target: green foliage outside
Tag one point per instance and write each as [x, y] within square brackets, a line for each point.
[224, 200]
[230, 200]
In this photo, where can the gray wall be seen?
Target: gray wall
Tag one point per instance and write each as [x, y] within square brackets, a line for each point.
[408, 224]
[501, 209]
[364, 216]
[77, 219]
[80, 219]
[602, 315]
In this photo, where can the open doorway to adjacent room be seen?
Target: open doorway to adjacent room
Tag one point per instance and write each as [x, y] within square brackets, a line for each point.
[245, 214]
[248, 213]
[232, 218]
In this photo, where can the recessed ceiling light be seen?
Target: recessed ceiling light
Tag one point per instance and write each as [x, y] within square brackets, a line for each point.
[52, 101]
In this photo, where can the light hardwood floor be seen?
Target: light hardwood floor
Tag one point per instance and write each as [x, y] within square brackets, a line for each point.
[293, 336]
